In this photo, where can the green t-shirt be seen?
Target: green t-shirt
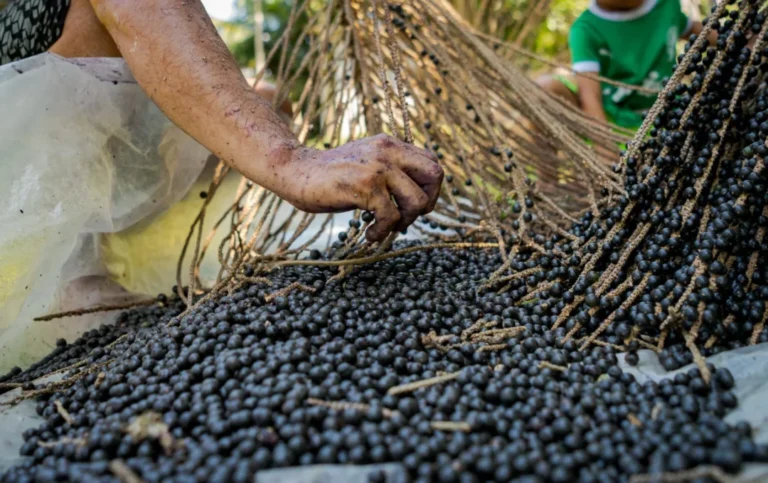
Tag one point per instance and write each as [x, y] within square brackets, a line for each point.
[636, 47]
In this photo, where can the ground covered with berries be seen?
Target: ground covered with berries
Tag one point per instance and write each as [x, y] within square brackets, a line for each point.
[463, 365]
[316, 376]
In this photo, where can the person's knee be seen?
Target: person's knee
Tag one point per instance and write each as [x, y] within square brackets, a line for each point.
[547, 82]
[557, 87]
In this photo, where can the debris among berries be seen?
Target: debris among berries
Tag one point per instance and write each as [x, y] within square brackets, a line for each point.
[488, 359]
[341, 375]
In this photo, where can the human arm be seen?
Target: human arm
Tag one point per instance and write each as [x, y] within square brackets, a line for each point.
[591, 97]
[591, 103]
[268, 91]
[585, 45]
[178, 58]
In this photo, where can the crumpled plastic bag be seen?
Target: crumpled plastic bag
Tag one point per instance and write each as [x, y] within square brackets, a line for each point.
[143, 258]
[84, 152]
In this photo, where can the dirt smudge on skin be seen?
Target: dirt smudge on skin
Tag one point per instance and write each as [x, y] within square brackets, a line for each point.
[345, 187]
[387, 143]
[280, 155]
[386, 165]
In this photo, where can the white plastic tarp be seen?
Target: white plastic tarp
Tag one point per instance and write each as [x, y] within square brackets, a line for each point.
[83, 151]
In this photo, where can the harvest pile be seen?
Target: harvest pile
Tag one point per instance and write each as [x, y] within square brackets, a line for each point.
[240, 384]
[490, 354]
[681, 257]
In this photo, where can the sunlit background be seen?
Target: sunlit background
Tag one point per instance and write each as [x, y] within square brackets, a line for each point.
[543, 32]
[220, 9]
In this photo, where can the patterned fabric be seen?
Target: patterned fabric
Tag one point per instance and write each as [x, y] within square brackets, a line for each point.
[30, 27]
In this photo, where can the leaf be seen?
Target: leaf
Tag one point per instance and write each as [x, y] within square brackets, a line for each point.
[150, 425]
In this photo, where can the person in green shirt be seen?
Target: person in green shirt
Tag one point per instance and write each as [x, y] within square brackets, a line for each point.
[630, 41]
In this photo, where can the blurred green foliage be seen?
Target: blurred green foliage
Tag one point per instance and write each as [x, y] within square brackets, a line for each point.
[550, 38]
[238, 32]
[540, 26]
[546, 34]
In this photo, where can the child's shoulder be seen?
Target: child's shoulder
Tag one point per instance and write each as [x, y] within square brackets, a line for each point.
[586, 17]
[586, 20]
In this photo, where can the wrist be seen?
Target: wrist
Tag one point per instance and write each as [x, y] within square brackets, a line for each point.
[263, 163]
[281, 153]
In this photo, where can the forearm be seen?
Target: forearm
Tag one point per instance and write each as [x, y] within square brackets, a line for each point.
[594, 110]
[591, 99]
[178, 58]
[591, 102]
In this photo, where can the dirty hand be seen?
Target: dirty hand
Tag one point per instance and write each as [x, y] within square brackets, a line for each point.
[363, 174]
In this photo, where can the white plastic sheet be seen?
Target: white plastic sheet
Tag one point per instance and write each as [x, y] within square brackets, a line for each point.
[83, 151]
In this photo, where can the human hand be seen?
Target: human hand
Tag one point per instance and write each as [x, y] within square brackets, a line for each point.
[363, 174]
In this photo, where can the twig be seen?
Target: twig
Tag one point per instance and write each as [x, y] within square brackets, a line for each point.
[286, 290]
[491, 348]
[475, 327]
[63, 412]
[342, 405]
[92, 310]
[413, 386]
[56, 386]
[713, 472]
[59, 442]
[123, 472]
[451, 426]
[656, 411]
[99, 379]
[496, 335]
[150, 425]
[385, 256]
[431, 339]
[554, 367]
[697, 357]
[634, 420]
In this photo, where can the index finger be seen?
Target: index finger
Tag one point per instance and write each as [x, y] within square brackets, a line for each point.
[387, 216]
[422, 167]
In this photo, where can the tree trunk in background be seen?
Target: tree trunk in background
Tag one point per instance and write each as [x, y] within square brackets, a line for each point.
[258, 32]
